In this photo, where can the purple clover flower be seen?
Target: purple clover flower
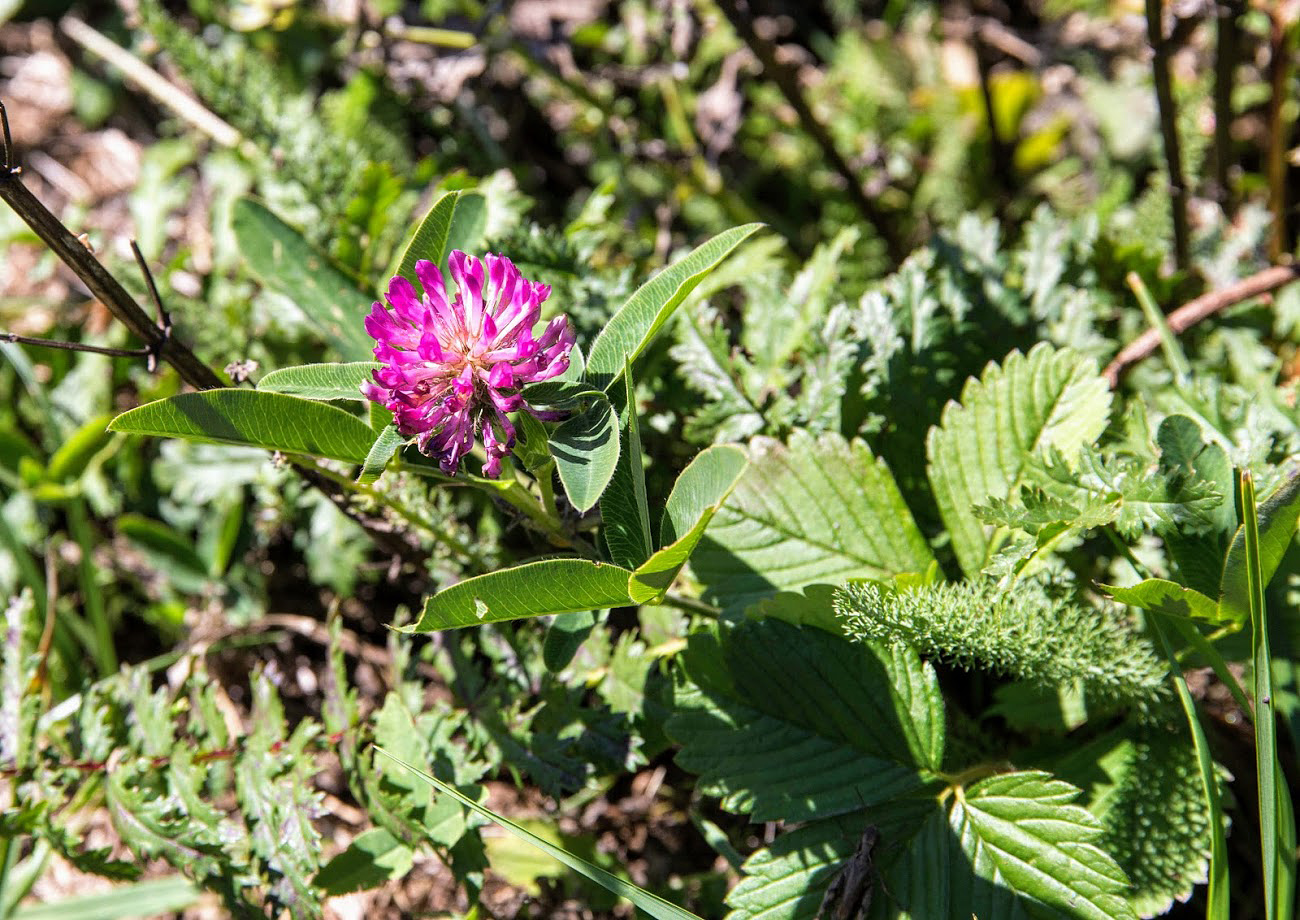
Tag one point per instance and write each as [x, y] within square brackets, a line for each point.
[453, 370]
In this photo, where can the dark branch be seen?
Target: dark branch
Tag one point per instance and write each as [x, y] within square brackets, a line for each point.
[737, 11]
[1160, 45]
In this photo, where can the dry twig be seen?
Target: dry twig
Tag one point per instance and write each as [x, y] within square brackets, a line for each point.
[1203, 307]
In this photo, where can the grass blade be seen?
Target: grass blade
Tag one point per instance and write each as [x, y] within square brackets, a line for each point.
[1169, 345]
[1217, 896]
[1276, 822]
[651, 904]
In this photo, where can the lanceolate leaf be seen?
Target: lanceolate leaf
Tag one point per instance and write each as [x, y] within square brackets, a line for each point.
[387, 444]
[287, 264]
[1046, 399]
[252, 418]
[533, 589]
[820, 510]
[696, 497]
[586, 449]
[456, 221]
[784, 723]
[636, 323]
[650, 903]
[320, 381]
[624, 509]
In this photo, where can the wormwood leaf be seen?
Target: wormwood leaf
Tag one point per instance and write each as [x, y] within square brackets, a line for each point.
[251, 418]
[287, 264]
[637, 322]
[784, 723]
[533, 589]
[321, 381]
[1146, 496]
[1048, 398]
[1025, 633]
[818, 510]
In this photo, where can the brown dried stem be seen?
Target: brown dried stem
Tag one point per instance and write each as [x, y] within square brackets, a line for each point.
[1194, 311]
[1160, 45]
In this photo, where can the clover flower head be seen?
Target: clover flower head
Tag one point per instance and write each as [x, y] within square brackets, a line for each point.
[453, 369]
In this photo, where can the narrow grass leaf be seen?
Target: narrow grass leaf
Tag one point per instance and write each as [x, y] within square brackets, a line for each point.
[624, 508]
[1278, 517]
[1271, 783]
[649, 902]
[1169, 344]
[140, 899]
[1218, 892]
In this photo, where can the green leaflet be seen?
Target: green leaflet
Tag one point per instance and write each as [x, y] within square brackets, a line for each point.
[287, 264]
[320, 381]
[696, 497]
[386, 444]
[789, 723]
[456, 221]
[644, 900]
[586, 450]
[529, 590]
[1047, 399]
[253, 419]
[818, 510]
[1144, 785]
[624, 509]
[1163, 596]
[637, 322]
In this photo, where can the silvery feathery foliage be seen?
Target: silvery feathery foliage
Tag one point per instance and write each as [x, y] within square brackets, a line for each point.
[1028, 633]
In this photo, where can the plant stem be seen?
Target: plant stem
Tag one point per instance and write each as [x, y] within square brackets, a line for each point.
[440, 535]
[1169, 133]
[690, 604]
